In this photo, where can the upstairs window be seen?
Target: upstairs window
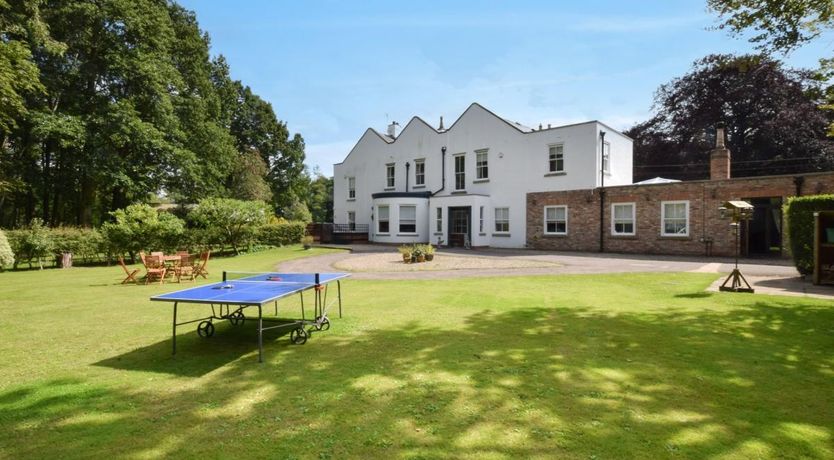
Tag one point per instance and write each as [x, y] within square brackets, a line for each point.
[419, 172]
[606, 157]
[555, 220]
[556, 158]
[351, 188]
[382, 219]
[408, 219]
[502, 220]
[481, 164]
[389, 175]
[622, 219]
[460, 172]
[674, 216]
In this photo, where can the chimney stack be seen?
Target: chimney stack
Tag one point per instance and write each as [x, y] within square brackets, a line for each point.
[441, 123]
[392, 129]
[719, 157]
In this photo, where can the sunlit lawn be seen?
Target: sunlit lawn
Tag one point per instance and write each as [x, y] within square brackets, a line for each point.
[619, 366]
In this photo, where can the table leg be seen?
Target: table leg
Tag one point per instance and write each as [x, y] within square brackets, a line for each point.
[339, 293]
[174, 336]
[260, 334]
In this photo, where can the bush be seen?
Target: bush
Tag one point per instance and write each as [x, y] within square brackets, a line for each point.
[6, 253]
[140, 227]
[84, 243]
[799, 218]
[281, 234]
[230, 222]
[32, 243]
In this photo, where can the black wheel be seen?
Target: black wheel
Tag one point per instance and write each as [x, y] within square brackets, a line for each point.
[237, 318]
[323, 325]
[205, 329]
[299, 336]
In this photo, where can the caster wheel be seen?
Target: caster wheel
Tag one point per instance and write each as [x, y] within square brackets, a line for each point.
[205, 329]
[237, 318]
[299, 336]
[323, 325]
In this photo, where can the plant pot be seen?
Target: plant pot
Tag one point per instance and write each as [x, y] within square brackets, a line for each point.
[429, 257]
[407, 258]
[421, 258]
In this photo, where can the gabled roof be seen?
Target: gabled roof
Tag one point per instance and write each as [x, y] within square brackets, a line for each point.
[515, 125]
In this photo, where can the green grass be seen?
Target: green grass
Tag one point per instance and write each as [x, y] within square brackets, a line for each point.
[617, 366]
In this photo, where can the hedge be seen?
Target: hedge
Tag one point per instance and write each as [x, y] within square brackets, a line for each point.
[281, 234]
[799, 217]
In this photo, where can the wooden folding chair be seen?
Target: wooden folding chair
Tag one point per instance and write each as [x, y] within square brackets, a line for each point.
[200, 267]
[131, 274]
[155, 267]
[185, 269]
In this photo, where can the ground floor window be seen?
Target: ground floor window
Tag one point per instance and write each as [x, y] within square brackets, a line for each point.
[502, 220]
[622, 219]
[674, 216]
[481, 219]
[351, 220]
[382, 220]
[408, 219]
[555, 220]
[439, 221]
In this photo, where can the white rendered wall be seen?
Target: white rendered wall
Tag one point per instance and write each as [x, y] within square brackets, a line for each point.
[394, 235]
[517, 165]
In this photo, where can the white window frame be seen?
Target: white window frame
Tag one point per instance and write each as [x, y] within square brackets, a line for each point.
[419, 172]
[351, 188]
[482, 167]
[556, 157]
[461, 173]
[606, 157]
[544, 217]
[663, 218]
[499, 221]
[401, 221]
[390, 175]
[351, 220]
[379, 219]
[614, 221]
[481, 219]
[439, 220]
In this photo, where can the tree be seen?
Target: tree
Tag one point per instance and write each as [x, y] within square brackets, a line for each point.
[248, 178]
[774, 124]
[140, 227]
[6, 253]
[319, 196]
[229, 221]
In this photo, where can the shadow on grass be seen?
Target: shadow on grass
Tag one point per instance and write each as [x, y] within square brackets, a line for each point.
[694, 295]
[547, 382]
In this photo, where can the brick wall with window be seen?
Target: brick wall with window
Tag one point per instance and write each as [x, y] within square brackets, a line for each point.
[652, 234]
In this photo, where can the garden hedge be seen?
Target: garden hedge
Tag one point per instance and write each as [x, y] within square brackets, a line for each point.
[799, 218]
[281, 234]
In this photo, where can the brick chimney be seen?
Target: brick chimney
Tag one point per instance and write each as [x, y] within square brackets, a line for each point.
[719, 157]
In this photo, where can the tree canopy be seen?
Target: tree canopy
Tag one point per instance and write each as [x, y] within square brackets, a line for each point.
[773, 121]
[108, 103]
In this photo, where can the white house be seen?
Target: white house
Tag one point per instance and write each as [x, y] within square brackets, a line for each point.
[468, 183]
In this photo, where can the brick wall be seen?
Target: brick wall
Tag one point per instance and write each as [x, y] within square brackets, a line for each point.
[706, 228]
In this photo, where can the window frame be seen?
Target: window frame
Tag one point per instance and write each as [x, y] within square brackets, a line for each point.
[379, 219]
[606, 157]
[351, 188]
[400, 220]
[480, 219]
[438, 216]
[351, 220]
[390, 175]
[419, 177]
[461, 173]
[614, 231]
[499, 221]
[663, 218]
[545, 221]
[557, 157]
[482, 170]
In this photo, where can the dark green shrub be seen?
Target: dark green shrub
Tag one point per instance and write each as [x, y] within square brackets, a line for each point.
[799, 219]
[281, 234]
[84, 243]
[6, 253]
[230, 222]
[140, 227]
[33, 243]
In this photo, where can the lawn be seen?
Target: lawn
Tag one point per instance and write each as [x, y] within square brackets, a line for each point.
[617, 366]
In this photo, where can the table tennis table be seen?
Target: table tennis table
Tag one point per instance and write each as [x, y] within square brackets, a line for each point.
[229, 298]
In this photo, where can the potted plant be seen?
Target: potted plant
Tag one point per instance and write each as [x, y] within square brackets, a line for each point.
[418, 253]
[406, 253]
[429, 250]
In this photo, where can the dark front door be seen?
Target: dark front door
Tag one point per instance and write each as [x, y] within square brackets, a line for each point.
[764, 231]
[459, 223]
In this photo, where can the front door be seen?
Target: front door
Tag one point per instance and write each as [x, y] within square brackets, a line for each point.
[763, 235]
[459, 220]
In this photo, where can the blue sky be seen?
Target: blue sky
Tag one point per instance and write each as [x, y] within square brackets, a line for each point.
[333, 69]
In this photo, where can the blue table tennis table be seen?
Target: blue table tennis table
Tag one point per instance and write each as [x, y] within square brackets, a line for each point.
[229, 298]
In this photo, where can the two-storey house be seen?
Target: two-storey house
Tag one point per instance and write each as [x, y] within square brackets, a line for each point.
[467, 184]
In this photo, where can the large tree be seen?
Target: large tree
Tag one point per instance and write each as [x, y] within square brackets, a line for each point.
[774, 124]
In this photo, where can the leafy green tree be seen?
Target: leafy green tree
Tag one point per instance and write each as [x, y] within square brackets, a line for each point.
[140, 227]
[297, 211]
[227, 221]
[6, 253]
[319, 196]
[773, 121]
[248, 178]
